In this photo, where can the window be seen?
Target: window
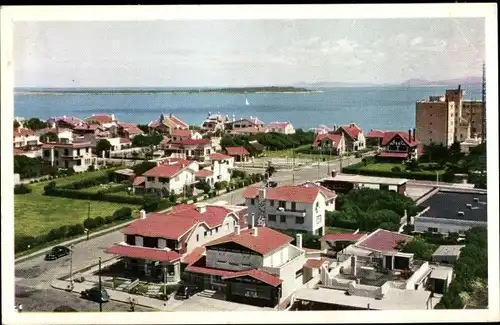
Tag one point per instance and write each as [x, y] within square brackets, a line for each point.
[46, 153]
[227, 226]
[299, 220]
[294, 206]
[77, 152]
[282, 204]
[430, 229]
[151, 179]
[197, 237]
[252, 201]
[272, 217]
[299, 273]
[56, 153]
[272, 203]
[210, 232]
[78, 162]
[430, 123]
[217, 229]
[66, 152]
[282, 218]
[234, 222]
[163, 180]
[205, 233]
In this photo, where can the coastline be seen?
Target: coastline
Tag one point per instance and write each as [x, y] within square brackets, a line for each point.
[59, 93]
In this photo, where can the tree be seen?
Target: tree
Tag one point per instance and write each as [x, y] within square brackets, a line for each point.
[103, 145]
[420, 248]
[218, 186]
[143, 167]
[16, 124]
[151, 201]
[49, 137]
[27, 167]
[142, 140]
[35, 124]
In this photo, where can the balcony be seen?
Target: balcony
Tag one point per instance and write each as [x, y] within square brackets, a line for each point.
[295, 213]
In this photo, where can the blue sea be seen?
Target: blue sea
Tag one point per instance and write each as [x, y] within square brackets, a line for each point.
[377, 107]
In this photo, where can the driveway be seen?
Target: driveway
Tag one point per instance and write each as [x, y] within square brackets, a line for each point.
[210, 301]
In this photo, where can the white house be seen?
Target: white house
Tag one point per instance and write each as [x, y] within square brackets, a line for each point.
[25, 138]
[68, 155]
[300, 207]
[65, 135]
[159, 242]
[281, 127]
[172, 175]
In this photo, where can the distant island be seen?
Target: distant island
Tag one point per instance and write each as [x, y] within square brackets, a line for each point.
[457, 81]
[234, 90]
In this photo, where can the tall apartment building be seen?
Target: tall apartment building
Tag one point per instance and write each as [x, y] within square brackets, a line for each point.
[449, 118]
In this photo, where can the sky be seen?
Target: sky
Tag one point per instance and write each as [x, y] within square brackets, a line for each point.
[214, 53]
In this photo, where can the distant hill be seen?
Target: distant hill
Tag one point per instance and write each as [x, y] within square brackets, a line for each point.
[331, 84]
[456, 81]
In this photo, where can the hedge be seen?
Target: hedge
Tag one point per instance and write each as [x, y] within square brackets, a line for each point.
[418, 176]
[21, 189]
[88, 182]
[99, 196]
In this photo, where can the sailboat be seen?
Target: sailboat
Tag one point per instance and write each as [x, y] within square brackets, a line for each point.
[246, 101]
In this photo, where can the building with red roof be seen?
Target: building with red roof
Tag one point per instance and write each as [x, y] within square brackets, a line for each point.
[189, 148]
[249, 130]
[161, 241]
[172, 175]
[300, 207]
[167, 124]
[128, 130]
[354, 137]
[245, 123]
[399, 145]
[239, 153]
[25, 138]
[281, 127]
[257, 266]
[66, 122]
[101, 119]
[329, 142]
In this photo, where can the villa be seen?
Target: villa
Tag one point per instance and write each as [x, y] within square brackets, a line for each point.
[102, 119]
[281, 127]
[66, 122]
[195, 149]
[329, 142]
[64, 135]
[172, 175]
[214, 123]
[249, 130]
[354, 137]
[219, 171]
[396, 145]
[128, 130]
[166, 125]
[239, 153]
[245, 123]
[25, 138]
[76, 155]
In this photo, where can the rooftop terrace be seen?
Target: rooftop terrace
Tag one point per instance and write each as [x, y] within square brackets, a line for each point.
[457, 206]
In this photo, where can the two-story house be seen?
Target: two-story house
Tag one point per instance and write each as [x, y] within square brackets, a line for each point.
[77, 155]
[25, 138]
[156, 243]
[244, 123]
[196, 149]
[281, 127]
[68, 122]
[354, 137]
[214, 123]
[102, 119]
[300, 207]
[64, 135]
[256, 266]
[128, 130]
[165, 125]
[399, 145]
[330, 143]
[178, 135]
[172, 175]
[220, 169]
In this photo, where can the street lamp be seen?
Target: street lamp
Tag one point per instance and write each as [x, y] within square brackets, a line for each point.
[100, 286]
[71, 265]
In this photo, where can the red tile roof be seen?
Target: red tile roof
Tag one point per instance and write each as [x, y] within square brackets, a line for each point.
[125, 140]
[139, 180]
[194, 256]
[55, 130]
[181, 133]
[375, 134]
[260, 275]
[219, 156]
[22, 132]
[278, 124]
[200, 267]
[343, 237]
[100, 119]
[85, 127]
[177, 121]
[314, 264]
[285, 193]
[237, 151]
[166, 170]
[192, 142]
[326, 192]
[19, 152]
[383, 240]
[143, 253]
[352, 130]
[334, 138]
[166, 140]
[266, 241]
[203, 173]
[389, 135]
[393, 154]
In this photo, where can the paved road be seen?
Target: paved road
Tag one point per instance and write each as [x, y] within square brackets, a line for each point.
[47, 300]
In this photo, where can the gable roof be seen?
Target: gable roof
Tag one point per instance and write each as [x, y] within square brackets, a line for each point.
[278, 124]
[351, 130]
[139, 180]
[326, 191]
[23, 132]
[203, 173]
[343, 237]
[285, 193]
[334, 138]
[237, 151]
[266, 241]
[375, 134]
[181, 133]
[140, 252]
[383, 240]
[193, 142]
[389, 135]
[100, 118]
[219, 156]
[166, 170]
[257, 274]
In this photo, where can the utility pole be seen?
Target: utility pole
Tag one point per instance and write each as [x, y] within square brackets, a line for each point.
[71, 266]
[165, 282]
[100, 287]
[293, 165]
[88, 218]
[437, 178]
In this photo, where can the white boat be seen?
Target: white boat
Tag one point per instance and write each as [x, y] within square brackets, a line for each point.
[246, 101]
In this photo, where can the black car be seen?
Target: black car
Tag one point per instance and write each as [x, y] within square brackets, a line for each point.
[271, 184]
[57, 252]
[94, 294]
[186, 290]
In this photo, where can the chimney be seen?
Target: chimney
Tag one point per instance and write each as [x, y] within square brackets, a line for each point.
[237, 229]
[334, 173]
[459, 87]
[142, 214]
[202, 208]
[414, 136]
[298, 240]
[254, 233]
[253, 220]
[112, 117]
[358, 281]
[353, 265]
[262, 193]
[409, 134]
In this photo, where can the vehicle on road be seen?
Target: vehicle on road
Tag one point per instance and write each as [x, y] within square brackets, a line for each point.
[57, 252]
[95, 294]
[185, 291]
[272, 184]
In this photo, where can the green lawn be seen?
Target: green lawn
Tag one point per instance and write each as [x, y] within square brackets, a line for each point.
[289, 153]
[35, 214]
[387, 167]
[335, 230]
[97, 188]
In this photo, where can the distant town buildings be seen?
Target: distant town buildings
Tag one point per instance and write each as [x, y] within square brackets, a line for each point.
[166, 125]
[449, 118]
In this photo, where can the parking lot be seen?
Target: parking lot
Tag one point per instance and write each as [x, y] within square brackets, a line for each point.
[210, 301]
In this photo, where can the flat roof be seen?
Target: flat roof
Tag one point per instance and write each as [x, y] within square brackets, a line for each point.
[353, 178]
[441, 272]
[394, 299]
[448, 250]
[446, 205]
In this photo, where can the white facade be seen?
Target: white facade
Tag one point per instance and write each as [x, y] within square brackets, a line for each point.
[444, 226]
[26, 140]
[67, 156]
[175, 183]
[202, 234]
[283, 128]
[305, 217]
[222, 169]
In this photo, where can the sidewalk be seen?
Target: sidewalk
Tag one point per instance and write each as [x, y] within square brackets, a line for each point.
[114, 295]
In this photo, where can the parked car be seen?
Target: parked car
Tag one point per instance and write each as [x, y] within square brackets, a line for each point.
[272, 184]
[57, 252]
[186, 290]
[95, 295]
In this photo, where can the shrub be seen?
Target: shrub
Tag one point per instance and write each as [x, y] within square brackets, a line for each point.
[91, 168]
[76, 229]
[70, 171]
[21, 243]
[353, 169]
[90, 223]
[358, 155]
[228, 189]
[396, 169]
[195, 200]
[99, 221]
[21, 189]
[122, 213]
[109, 219]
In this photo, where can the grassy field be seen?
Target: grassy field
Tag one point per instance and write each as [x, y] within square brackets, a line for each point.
[95, 189]
[36, 214]
[290, 153]
[387, 167]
